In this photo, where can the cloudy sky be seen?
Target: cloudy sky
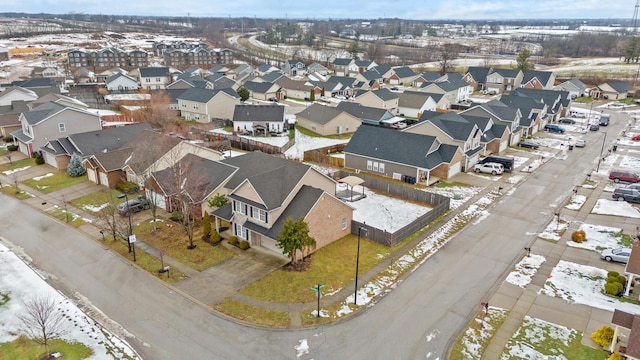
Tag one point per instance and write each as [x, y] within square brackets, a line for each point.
[371, 9]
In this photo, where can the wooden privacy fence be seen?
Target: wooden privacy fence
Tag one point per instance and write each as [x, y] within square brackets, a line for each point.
[247, 144]
[439, 204]
[323, 155]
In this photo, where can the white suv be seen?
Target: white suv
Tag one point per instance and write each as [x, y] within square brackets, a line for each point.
[490, 168]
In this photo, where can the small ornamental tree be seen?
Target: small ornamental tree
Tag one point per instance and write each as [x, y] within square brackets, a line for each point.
[244, 93]
[206, 224]
[295, 237]
[603, 335]
[76, 168]
[217, 201]
[312, 96]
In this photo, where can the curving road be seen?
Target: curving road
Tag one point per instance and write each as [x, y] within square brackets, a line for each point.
[416, 320]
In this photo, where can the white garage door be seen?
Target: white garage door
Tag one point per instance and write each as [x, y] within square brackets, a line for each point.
[50, 159]
[157, 199]
[104, 179]
[271, 245]
[503, 146]
[454, 169]
[91, 174]
[24, 149]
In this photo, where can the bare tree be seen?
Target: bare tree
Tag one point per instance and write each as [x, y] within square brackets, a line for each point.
[448, 53]
[9, 157]
[109, 218]
[42, 320]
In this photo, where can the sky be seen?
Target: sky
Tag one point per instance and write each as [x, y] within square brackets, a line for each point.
[372, 9]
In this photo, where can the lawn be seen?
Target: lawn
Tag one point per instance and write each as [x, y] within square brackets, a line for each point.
[143, 260]
[57, 181]
[25, 349]
[171, 238]
[333, 265]
[16, 192]
[95, 201]
[475, 338]
[70, 218]
[252, 314]
[20, 164]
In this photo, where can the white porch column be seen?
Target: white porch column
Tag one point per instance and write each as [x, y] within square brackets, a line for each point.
[614, 342]
[629, 280]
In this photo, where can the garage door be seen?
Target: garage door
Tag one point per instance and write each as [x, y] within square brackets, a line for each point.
[23, 148]
[503, 146]
[158, 199]
[50, 159]
[454, 169]
[104, 179]
[91, 174]
[271, 245]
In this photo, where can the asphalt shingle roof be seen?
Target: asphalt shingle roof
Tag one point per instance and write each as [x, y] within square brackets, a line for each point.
[364, 112]
[154, 72]
[197, 95]
[454, 125]
[248, 112]
[542, 76]
[404, 72]
[93, 142]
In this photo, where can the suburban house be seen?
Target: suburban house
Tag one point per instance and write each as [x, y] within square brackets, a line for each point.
[188, 183]
[297, 89]
[455, 90]
[204, 105]
[401, 75]
[271, 77]
[327, 120]
[613, 90]
[398, 155]
[58, 152]
[259, 119]
[414, 103]
[451, 128]
[381, 98]
[294, 67]
[262, 90]
[348, 86]
[59, 99]
[428, 77]
[188, 80]
[364, 65]
[501, 80]
[495, 137]
[265, 69]
[341, 66]
[367, 114]
[557, 101]
[535, 79]
[104, 75]
[51, 121]
[121, 82]
[574, 87]
[534, 112]
[500, 113]
[315, 68]
[155, 78]
[266, 190]
[385, 72]
[16, 93]
[131, 161]
[626, 334]
[477, 77]
[40, 86]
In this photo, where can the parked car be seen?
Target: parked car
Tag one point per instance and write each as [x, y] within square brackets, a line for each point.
[272, 99]
[554, 128]
[622, 175]
[635, 138]
[394, 88]
[567, 121]
[594, 127]
[604, 121]
[528, 144]
[340, 97]
[135, 205]
[506, 161]
[630, 195]
[581, 143]
[620, 255]
[489, 168]
[633, 187]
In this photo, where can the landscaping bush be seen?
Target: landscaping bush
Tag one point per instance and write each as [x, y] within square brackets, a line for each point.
[75, 167]
[206, 225]
[127, 187]
[244, 245]
[12, 147]
[233, 240]
[39, 160]
[579, 236]
[215, 238]
[603, 335]
[8, 139]
[616, 356]
[176, 216]
[613, 287]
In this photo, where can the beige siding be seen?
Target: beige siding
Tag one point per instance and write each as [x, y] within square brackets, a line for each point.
[247, 191]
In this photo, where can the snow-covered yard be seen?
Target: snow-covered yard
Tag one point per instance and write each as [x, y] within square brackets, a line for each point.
[458, 194]
[477, 336]
[576, 202]
[555, 229]
[616, 208]
[19, 283]
[599, 237]
[525, 270]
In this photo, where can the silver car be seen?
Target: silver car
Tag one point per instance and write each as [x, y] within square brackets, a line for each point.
[619, 255]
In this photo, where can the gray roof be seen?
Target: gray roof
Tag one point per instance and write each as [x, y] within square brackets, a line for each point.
[436, 97]
[619, 86]
[223, 83]
[343, 80]
[43, 112]
[453, 125]
[273, 178]
[248, 112]
[364, 112]
[299, 207]
[385, 94]
[507, 73]
[574, 84]
[272, 76]
[382, 69]
[542, 76]
[320, 114]
[197, 95]
[139, 153]
[371, 75]
[154, 72]
[117, 75]
[404, 72]
[93, 142]
[412, 99]
[342, 61]
[431, 76]
[363, 63]
[479, 74]
[258, 87]
[199, 177]
[397, 146]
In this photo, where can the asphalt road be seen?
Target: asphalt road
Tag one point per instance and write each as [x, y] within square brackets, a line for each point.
[416, 320]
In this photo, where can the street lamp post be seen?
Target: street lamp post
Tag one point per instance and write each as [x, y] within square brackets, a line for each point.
[604, 139]
[355, 294]
[126, 197]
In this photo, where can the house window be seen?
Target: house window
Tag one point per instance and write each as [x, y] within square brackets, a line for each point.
[184, 105]
[157, 79]
[381, 168]
[195, 106]
[369, 164]
[147, 80]
[344, 223]
[241, 231]
[61, 127]
[259, 214]
[375, 166]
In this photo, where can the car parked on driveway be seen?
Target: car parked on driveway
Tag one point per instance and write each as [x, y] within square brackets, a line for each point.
[135, 205]
[620, 255]
[581, 143]
[567, 121]
[594, 127]
[630, 195]
[489, 168]
[622, 175]
[554, 128]
[633, 187]
[635, 138]
[528, 144]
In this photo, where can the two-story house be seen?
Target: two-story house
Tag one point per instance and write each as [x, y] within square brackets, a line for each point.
[535, 79]
[402, 75]
[477, 77]
[341, 66]
[154, 78]
[380, 98]
[204, 105]
[51, 121]
[17, 93]
[327, 120]
[121, 82]
[294, 67]
[500, 113]
[501, 80]
[266, 190]
[259, 119]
